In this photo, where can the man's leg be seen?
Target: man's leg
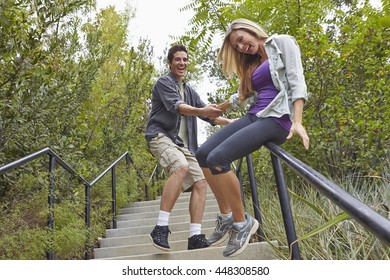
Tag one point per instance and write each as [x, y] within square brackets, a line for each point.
[196, 183]
[171, 192]
[198, 201]
[172, 188]
[197, 240]
[174, 162]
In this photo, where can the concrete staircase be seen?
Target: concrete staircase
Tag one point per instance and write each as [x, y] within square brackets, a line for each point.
[130, 241]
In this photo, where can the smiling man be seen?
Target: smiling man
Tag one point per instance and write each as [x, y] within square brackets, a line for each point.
[171, 135]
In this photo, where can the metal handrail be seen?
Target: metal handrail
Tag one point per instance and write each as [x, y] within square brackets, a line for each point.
[152, 180]
[367, 217]
[54, 158]
[362, 213]
[370, 219]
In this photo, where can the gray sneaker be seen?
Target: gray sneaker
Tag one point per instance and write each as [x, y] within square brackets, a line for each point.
[221, 231]
[239, 238]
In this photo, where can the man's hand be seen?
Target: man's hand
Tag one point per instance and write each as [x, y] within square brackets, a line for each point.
[212, 111]
[224, 106]
[297, 128]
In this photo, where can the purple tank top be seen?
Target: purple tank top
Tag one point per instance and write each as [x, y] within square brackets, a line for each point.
[262, 83]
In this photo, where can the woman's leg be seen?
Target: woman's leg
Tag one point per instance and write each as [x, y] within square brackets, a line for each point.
[223, 204]
[239, 144]
[229, 186]
[243, 142]
[217, 138]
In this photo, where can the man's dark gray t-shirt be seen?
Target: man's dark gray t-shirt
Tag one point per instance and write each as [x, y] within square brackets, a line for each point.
[165, 117]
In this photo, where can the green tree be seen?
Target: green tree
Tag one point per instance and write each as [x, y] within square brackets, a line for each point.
[76, 85]
[113, 118]
[347, 70]
[39, 95]
[344, 47]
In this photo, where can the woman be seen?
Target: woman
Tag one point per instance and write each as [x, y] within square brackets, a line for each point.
[271, 80]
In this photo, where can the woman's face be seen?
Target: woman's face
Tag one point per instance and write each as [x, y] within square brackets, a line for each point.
[244, 42]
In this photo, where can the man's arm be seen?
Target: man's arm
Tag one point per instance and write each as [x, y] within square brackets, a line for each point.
[208, 111]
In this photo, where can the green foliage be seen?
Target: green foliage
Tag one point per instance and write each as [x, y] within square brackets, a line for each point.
[37, 46]
[323, 234]
[114, 114]
[24, 243]
[347, 77]
[345, 50]
[24, 233]
[73, 84]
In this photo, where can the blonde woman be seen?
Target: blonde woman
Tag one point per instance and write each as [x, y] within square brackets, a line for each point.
[271, 81]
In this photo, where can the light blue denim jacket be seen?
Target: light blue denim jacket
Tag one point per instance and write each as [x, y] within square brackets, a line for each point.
[287, 75]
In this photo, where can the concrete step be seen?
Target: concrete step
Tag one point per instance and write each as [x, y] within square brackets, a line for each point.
[143, 245]
[153, 214]
[174, 227]
[185, 197]
[144, 238]
[130, 241]
[254, 251]
[156, 207]
[152, 221]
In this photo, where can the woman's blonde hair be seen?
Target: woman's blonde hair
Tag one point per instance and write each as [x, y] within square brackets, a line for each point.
[240, 64]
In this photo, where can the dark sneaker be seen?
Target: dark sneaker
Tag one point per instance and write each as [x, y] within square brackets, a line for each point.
[159, 237]
[197, 241]
[221, 231]
[239, 237]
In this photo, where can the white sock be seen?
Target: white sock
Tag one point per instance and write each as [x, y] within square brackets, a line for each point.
[195, 229]
[226, 216]
[239, 224]
[163, 218]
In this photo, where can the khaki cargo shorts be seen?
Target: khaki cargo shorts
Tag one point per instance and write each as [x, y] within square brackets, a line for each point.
[171, 156]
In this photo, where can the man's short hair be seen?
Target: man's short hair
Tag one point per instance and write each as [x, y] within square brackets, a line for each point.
[174, 49]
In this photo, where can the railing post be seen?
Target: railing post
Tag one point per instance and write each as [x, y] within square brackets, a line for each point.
[159, 191]
[239, 176]
[87, 219]
[152, 179]
[52, 163]
[146, 191]
[286, 208]
[113, 188]
[128, 161]
[255, 196]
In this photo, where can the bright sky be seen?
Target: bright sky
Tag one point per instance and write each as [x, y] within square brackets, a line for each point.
[155, 20]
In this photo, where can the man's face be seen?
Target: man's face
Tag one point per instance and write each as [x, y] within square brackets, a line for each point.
[179, 64]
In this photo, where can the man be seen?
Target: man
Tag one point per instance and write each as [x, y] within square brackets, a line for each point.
[171, 135]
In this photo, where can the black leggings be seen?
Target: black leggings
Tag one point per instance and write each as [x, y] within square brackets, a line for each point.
[238, 139]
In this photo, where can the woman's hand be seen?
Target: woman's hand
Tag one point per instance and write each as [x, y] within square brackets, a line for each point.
[297, 128]
[224, 106]
[222, 120]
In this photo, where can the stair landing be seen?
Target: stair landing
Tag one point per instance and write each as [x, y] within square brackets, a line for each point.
[130, 241]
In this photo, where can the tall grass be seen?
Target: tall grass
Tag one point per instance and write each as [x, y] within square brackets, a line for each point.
[345, 240]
